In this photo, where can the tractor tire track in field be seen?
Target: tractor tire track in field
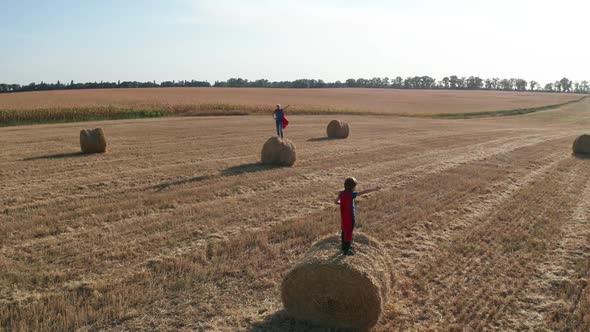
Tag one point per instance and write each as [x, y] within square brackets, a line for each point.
[268, 182]
[77, 172]
[473, 281]
[395, 180]
[431, 163]
[534, 166]
[423, 246]
[293, 180]
[103, 184]
[557, 284]
[580, 305]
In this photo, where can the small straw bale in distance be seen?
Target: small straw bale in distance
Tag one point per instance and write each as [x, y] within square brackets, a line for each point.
[338, 129]
[93, 141]
[339, 291]
[581, 145]
[280, 152]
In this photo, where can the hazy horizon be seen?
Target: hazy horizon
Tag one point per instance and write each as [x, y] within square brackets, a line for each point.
[287, 40]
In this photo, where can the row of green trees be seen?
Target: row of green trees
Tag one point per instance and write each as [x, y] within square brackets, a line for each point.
[453, 82]
[419, 82]
[98, 85]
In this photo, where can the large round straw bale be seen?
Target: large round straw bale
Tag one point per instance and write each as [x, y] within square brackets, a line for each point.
[336, 290]
[338, 129]
[93, 141]
[277, 151]
[582, 145]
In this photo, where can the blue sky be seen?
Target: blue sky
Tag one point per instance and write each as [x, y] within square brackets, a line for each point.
[285, 40]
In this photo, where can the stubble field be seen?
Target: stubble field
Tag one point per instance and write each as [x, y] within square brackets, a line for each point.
[178, 227]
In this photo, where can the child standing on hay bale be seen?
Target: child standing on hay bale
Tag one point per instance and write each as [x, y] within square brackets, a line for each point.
[346, 201]
[280, 120]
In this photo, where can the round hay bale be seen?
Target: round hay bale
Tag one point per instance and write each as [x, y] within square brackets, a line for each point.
[93, 141]
[582, 145]
[338, 129]
[280, 152]
[336, 290]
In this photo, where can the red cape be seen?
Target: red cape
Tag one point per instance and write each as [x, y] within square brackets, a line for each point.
[285, 122]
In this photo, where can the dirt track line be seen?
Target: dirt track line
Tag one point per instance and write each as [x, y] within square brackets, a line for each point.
[462, 273]
[334, 175]
[98, 191]
[582, 215]
[410, 175]
[429, 162]
[81, 178]
[420, 246]
[559, 270]
[198, 153]
[177, 251]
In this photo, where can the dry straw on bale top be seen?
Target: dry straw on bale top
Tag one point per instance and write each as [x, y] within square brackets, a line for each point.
[279, 152]
[93, 141]
[338, 129]
[336, 290]
[582, 145]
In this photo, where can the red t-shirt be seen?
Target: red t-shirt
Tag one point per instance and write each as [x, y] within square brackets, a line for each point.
[347, 209]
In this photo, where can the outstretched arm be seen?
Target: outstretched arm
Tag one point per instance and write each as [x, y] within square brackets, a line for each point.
[364, 192]
[286, 107]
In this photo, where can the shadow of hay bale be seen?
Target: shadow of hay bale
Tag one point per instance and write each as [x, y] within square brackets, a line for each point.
[231, 171]
[247, 168]
[339, 291]
[58, 156]
[167, 185]
[281, 321]
[321, 139]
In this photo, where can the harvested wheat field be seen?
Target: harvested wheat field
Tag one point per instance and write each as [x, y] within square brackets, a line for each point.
[312, 100]
[178, 227]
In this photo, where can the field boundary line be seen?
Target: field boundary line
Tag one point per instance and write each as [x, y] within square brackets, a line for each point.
[509, 112]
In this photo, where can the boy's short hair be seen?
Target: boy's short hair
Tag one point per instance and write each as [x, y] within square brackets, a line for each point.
[350, 183]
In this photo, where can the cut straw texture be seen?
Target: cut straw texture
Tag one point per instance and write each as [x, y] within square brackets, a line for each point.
[93, 141]
[280, 152]
[338, 129]
[339, 291]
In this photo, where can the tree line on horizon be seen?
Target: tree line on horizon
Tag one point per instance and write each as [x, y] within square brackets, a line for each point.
[452, 82]
[98, 85]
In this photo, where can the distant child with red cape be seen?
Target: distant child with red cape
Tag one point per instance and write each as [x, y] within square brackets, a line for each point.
[280, 120]
[346, 201]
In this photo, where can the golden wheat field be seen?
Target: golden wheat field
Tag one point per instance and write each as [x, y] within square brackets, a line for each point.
[254, 99]
[178, 226]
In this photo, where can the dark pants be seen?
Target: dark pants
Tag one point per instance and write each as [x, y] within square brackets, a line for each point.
[280, 128]
[346, 245]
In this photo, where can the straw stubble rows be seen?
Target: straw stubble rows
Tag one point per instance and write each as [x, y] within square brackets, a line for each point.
[178, 227]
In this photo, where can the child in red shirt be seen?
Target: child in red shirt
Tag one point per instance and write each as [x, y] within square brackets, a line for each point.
[346, 201]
